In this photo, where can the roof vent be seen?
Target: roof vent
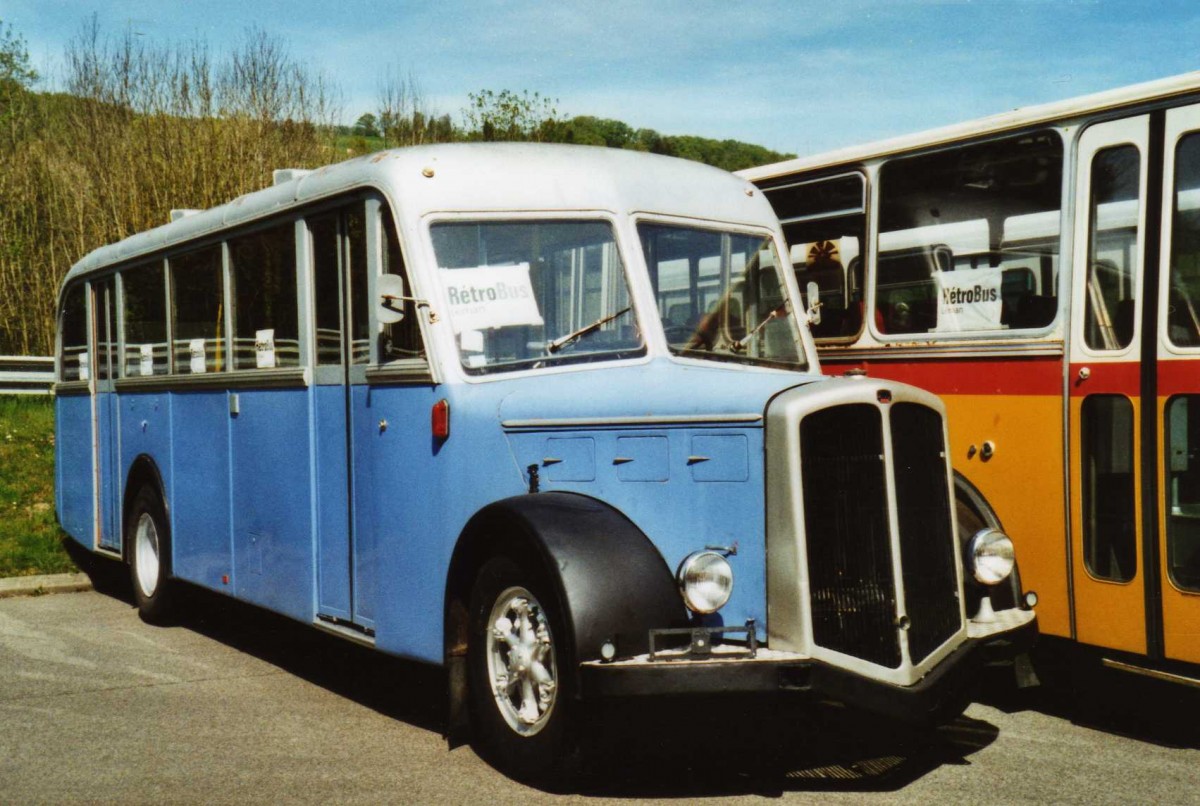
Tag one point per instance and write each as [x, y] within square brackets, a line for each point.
[281, 175]
[178, 214]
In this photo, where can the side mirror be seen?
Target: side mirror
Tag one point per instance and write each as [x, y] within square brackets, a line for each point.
[390, 288]
[814, 304]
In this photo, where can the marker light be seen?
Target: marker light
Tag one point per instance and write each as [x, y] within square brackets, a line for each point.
[991, 555]
[439, 419]
[705, 581]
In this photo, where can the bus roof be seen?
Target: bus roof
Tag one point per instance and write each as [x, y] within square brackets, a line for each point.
[1021, 118]
[477, 177]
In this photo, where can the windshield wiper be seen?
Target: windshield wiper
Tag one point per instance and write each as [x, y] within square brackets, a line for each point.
[740, 345]
[563, 341]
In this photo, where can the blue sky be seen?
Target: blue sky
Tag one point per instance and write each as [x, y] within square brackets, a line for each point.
[802, 76]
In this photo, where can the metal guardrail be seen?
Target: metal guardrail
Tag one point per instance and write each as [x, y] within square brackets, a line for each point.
[26, 374]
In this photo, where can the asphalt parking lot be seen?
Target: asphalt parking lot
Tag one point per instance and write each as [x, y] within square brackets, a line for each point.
[237, 705]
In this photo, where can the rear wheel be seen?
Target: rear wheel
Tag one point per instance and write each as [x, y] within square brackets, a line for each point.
[520, 665]
[148, 537]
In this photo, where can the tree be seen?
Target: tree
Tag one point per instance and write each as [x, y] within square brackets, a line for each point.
[366, 126]
[508, 116]
[14, 59]
[404, 119]
[16, 77]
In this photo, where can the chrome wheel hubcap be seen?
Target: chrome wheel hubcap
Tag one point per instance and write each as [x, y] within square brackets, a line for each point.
[146, 563]
[520, 658]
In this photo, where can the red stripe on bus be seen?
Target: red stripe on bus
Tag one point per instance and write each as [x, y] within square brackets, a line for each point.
[1123, 378]
[1030, 375]
[1178, 376]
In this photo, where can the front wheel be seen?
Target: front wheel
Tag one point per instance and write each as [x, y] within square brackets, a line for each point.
[520, 673]
[148, 536]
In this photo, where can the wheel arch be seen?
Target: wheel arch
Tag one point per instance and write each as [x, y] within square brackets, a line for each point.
[143, 471]
[610, 579]
[1009, 593]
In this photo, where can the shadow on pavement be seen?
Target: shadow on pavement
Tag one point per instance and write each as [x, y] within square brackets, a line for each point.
[409, 691]
[737, 746]
[1077, 688]
[681, 747]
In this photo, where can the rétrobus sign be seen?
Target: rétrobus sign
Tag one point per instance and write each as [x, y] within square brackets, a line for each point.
[969, 299]
[491, 297]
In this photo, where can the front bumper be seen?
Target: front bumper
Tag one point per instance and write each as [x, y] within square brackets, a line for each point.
[941, 693]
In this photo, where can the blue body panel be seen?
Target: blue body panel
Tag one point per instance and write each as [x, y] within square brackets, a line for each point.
[74, 492]
[198, 497]
[272, 505]
[331, 475]
[107, 413]
[145, 422]
[264, 498]
[423, 494]
[404, 485]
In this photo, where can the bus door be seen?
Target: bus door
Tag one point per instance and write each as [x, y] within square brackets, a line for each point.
[339, 272]
[1105, 381]
[1178, 386]
[106, 486]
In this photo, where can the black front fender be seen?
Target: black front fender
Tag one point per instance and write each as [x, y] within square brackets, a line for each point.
[612, 581]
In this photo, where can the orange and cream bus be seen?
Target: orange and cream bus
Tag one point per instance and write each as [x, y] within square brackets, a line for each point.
[1040, 270]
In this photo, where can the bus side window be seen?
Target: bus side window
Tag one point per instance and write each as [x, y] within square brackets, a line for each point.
[993, 207]
[1183, 492]
[825, 223]
[145, 298]
[1109, 521]
[1183, 301]
[266, 323]
[74, 359]
[1113, 249]
[401, 340]
[339, 243]
[198, 311]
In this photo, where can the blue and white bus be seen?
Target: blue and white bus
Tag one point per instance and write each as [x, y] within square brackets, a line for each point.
[547, 416]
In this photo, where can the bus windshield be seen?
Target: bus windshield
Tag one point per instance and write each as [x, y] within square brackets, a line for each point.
[529, 294]
[720, 295]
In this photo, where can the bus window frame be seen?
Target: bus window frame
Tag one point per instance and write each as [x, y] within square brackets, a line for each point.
[168, 319]
[806, 351]
[427, 369]
[439, 300]
[304, 374]
[1166, 259]
[1082, 235]
[82, 286]
[1052, 331]
[865, 247]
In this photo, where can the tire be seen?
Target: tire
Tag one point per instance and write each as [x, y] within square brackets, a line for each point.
[520, 671]
[147, 534]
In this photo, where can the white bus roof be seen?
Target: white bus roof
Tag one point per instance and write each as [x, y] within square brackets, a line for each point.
[478, 177]
[1022, 118]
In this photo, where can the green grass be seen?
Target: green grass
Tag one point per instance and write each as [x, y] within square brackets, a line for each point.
[30, 539]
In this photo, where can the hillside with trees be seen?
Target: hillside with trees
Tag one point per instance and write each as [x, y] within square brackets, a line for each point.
[140, 129]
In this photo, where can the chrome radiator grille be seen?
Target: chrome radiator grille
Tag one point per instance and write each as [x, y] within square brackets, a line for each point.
[848, 537]
[846, 520]
[926, 538]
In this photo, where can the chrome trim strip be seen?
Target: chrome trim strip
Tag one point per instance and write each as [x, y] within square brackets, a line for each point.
[72, 388]
[290, 377]
[1153, 673]
[832, 352]
[352, 635]
[663, 419]
[402, 372]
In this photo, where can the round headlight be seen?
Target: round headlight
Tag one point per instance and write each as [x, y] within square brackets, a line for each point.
[991, 555]
[706, 581]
